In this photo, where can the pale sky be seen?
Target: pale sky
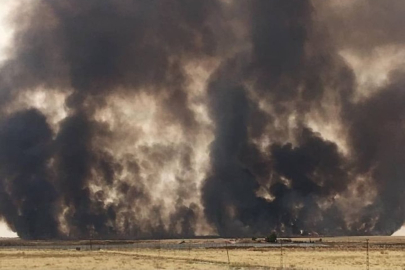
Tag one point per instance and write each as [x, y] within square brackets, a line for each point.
[5, 36]
[400, 232]
[5, 31]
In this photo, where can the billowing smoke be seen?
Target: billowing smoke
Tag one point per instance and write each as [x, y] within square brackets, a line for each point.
[151, 118]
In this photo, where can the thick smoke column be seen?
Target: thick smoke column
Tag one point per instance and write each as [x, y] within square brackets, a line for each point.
[177, 118]
[26, 148]
[91, 51]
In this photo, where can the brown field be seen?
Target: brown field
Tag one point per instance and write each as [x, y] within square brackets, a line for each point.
[338, 254]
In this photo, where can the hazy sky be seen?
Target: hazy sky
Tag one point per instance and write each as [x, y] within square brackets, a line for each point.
[5, 35]
[5, 31]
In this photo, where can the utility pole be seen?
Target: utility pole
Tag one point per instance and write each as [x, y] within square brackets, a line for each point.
[227, 253]
[159, 249]
[91, 238]
[368, 257]
[281, 255]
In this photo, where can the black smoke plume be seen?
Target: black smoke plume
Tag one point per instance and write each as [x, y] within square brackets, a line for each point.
[151, 118]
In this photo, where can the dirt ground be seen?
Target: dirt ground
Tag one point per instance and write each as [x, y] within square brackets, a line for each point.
[95, 260]
[337, 254]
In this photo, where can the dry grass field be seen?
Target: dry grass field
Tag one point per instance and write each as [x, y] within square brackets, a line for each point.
[345, 253]
[86, 260]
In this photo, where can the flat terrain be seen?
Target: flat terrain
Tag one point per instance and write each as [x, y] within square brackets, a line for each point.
[332, 254]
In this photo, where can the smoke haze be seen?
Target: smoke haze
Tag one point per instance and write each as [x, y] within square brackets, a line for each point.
[151, 118]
